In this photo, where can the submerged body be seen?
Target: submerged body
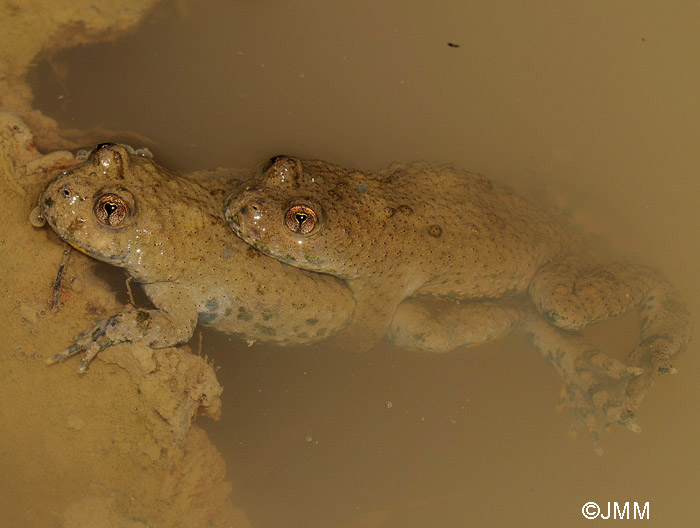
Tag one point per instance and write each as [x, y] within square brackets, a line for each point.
[167, 231]
[424, 231]
[416, 229]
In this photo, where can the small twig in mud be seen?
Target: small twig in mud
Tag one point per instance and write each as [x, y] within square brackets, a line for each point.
[57, 283]
[199, 348]
[128, 291]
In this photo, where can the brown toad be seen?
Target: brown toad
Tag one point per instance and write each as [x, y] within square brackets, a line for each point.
[167, 231]
[419, 230]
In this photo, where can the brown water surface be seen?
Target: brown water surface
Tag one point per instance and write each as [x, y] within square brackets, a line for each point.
[596, 102]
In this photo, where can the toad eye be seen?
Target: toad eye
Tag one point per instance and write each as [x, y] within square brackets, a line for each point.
[111, 209]
[301, 219]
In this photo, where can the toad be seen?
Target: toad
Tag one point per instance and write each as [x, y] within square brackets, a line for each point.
[167, 231]
[430, 231]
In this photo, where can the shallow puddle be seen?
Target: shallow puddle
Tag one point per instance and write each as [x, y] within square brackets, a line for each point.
[595, 103]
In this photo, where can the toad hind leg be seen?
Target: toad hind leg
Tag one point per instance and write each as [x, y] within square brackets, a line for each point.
[156, 328]
[596, 386]
[573, 295]
[436, 325]
[665, 332]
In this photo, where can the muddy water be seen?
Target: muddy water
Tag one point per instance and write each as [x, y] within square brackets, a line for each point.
[594, 102]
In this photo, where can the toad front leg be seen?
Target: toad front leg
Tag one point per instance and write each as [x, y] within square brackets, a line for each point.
[156, 328]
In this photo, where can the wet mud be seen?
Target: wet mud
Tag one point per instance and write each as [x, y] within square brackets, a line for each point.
[116, 446]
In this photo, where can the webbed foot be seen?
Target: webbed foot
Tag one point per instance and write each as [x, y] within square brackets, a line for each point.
[665, 333]
[156, 328]
[595, 385]
[595, 393]
[89, 343]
